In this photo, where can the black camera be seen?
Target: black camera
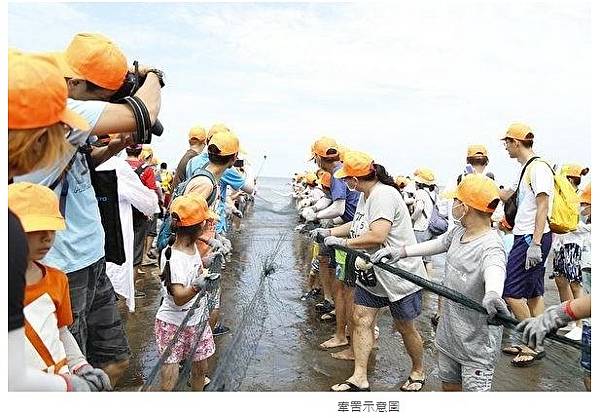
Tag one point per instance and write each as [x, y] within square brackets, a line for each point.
[238, 163]
[131, 84]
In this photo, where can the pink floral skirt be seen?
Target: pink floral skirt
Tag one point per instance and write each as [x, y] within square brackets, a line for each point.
[165, 332]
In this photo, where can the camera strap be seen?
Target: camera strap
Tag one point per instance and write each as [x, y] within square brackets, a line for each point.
[142, 119]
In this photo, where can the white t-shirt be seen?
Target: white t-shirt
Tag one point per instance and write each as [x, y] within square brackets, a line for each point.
[538, 179]
[385, 202]
[184, 268]
[422, 222]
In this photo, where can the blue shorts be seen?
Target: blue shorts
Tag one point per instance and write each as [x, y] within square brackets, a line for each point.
[406, 309]
[521, 283]
[586, 354]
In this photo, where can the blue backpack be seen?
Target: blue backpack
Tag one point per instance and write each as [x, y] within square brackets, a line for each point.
[165, 232]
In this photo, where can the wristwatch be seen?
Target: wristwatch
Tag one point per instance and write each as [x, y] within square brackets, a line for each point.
[159, 74]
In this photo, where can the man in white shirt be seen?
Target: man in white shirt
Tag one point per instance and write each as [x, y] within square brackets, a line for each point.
[524, 285]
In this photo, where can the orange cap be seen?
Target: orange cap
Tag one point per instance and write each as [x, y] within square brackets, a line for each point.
[401, 181]
[475, 150]
[425, 176]
[93, 57]
[586, 194]
[518, 131]
[37, 94]
[191, 209]
[197, 132]
[356, 164]
[477, 191]
[325, 179]
[216, 128]
[325, 147]
[226, 142]
[573, 170]
[36, 206]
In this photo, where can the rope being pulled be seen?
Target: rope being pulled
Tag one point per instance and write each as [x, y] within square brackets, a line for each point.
[453, 295]
[212, 288]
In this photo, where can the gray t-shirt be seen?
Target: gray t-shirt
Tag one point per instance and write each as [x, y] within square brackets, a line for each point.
[464, 334]
[385, 202]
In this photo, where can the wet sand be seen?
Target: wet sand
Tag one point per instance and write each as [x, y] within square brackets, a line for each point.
[287, 356]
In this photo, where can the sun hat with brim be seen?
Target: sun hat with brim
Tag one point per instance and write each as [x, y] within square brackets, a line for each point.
[36, 206]
[425, 176]
[586, 194]
[356, 164]
[191, 209]
[477, 191]
[34, 80]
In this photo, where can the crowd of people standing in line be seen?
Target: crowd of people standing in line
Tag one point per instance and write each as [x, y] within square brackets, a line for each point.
[86, 200]
[496, 242]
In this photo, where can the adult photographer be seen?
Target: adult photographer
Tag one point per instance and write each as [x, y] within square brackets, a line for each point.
[95, 69]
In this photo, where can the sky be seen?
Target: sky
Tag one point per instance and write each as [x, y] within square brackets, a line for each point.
[410, 83]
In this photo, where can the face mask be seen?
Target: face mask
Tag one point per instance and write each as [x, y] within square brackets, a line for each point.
[457, 219]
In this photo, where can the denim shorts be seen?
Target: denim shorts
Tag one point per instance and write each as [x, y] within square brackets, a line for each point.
[405, 309]
[586, 354]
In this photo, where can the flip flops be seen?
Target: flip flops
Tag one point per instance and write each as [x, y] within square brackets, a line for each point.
[351, 387]
[410, 381]
[512, 350]
[526, 363]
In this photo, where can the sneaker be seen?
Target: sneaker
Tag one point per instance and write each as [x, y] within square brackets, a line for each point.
[139, 294]
[574, 334]
[221, 329]
[311, 294]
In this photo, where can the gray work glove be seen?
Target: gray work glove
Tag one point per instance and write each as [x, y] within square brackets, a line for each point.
[534, 256]
[535, 329]
[96, 378]
[309, 214]
[329, 241]
[216, 245]
[494, 304]
[319, 232]
[236, 212]
[226, 243]
[393, 255]
[77, 384]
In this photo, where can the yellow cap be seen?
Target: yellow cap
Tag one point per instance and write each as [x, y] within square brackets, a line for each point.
[36, 206]
[424, 176]
[356, 164]
[477, 191]
[226, 143]
[217, 127]
[325, 147]
[519, 131]
[475, 150]
[401, 181]
[311, 178]
[197, 132]
[573, 170]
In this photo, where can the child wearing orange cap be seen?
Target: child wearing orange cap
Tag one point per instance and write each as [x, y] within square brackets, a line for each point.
[475, 266]
[184, 280]
[50, 346]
